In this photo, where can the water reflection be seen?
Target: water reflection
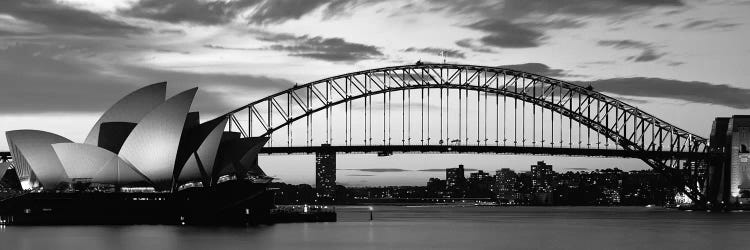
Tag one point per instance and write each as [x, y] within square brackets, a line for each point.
[421, 228]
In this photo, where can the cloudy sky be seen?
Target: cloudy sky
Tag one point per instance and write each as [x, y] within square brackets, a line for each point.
[62, 63]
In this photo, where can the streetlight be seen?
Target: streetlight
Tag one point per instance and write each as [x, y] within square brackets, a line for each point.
[371, 213]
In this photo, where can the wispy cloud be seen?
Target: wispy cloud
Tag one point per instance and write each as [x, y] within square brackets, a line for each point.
[625, 44]
[583, 7]
[473, 46]
[709, 25]
[273, 11]
[189, 11]
[58, 18]
[698, 92]
[64, 82]
[648, 50]
[506, 34]
[321, 48]
[211, 46]
[255, 12]
[537, 68]
[691, 91]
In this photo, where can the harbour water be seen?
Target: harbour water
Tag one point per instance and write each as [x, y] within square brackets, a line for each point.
[422, 227]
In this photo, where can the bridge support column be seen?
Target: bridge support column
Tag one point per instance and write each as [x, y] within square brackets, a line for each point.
[325, 174]
[728, 182]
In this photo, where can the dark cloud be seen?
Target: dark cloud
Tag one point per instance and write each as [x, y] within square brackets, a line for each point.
[709, 24]
[189, 11]
[377, 170]
[63, 81]
[606, 62]
[648, 50]
[172, 31]
[582, 7]
[631, 100]
[172, 51]
[279, 11]
[518, 10]
[537, 68]
[624, 44]
[514, 30]
[275, 11]
[673, 64]
[663, 25]
[647, 56]
[697, 92]
[505, 34]
[327, 49]
[560, 23]
[62, 19]
[214, 12]
[437, 52]
[8, 33]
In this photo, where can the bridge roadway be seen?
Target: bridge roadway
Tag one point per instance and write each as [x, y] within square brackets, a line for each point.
[389, 149]
[457, 149]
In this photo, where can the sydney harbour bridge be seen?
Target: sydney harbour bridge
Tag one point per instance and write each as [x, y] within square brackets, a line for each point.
[449, 108]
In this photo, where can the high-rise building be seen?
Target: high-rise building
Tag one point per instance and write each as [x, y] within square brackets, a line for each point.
[541, 175]
[455, 181]
[454, 177]
[479, 177]
[541, 181]
[611, 182]
[325, 176]
[506, 186]
[436, 187]
[479, 185]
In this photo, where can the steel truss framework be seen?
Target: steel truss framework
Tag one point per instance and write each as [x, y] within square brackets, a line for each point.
[570, 115]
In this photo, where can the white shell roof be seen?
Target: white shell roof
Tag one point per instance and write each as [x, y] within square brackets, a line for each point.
[207, 154]
[32, 150]
[131, 108]
[152, 145]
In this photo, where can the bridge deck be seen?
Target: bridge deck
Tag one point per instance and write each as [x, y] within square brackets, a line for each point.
[480, 150]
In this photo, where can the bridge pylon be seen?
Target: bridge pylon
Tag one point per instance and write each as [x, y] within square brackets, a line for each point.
[728, 174]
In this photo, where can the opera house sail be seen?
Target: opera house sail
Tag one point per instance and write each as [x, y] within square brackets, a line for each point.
[143, 143]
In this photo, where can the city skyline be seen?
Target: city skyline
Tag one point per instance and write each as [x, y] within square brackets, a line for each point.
[87, 52]
[540, 186]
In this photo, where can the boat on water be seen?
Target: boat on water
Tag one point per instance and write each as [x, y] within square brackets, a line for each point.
[487, 204]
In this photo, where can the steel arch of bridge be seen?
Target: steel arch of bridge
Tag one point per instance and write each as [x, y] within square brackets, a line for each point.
[628, 127]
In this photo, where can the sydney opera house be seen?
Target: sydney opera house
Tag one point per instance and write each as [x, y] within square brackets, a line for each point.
[144, 148]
